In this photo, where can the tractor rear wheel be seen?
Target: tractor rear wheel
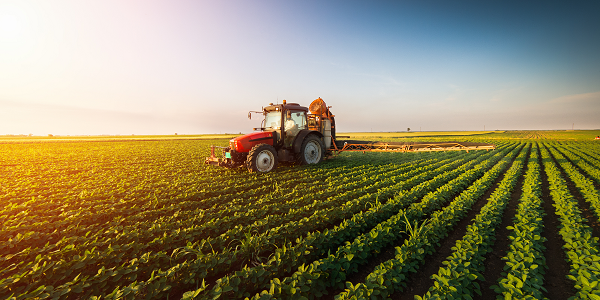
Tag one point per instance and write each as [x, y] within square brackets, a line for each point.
[311, 151]
[262, 158]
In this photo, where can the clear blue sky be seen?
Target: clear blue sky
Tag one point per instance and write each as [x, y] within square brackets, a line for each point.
[160, 67]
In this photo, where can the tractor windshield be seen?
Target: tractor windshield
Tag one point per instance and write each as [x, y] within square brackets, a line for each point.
[273, 120]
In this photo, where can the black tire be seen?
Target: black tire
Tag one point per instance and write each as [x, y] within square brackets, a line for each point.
[262, 159]
[312, 150]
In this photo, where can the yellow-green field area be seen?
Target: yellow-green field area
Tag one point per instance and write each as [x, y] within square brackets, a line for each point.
[142, 217]
[436, 135]
[98, 138]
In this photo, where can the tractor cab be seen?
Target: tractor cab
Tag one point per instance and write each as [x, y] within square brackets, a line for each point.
[286, 121]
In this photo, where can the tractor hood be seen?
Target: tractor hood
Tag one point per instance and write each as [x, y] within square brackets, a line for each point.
[245, 143]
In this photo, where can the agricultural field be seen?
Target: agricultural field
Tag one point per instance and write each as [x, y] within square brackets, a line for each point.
[147, 219]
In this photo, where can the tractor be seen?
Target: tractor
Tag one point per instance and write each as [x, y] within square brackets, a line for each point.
[288, 133]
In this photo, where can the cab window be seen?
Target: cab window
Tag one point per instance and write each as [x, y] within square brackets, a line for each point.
[273, 120]
[300, 119]
[294, 122]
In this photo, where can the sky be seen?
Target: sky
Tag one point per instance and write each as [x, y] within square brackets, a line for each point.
[195, 67]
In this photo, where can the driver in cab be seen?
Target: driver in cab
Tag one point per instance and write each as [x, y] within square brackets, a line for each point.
[291, 128]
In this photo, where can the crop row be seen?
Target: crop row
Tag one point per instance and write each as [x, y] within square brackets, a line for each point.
[525, 261]
[581, 248]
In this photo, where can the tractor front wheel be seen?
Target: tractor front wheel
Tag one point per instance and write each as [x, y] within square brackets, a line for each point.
[262, 158]
[311, 151]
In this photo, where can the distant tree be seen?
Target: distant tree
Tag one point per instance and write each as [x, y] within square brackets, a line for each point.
[408, 129]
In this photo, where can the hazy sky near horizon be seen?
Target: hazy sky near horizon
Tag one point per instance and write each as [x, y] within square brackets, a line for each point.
[160, 67]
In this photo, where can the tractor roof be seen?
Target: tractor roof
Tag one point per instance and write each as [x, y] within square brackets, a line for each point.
[287, 106]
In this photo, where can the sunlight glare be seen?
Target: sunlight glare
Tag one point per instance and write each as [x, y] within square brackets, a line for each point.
[18, 34]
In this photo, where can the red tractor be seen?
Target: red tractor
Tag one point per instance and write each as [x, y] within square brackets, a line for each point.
[288, 133]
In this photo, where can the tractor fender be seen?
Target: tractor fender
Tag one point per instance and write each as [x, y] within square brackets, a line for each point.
[300, 138]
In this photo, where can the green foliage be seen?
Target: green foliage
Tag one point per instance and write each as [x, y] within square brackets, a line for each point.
[390, 276]
[148, 220]
[331, 272]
